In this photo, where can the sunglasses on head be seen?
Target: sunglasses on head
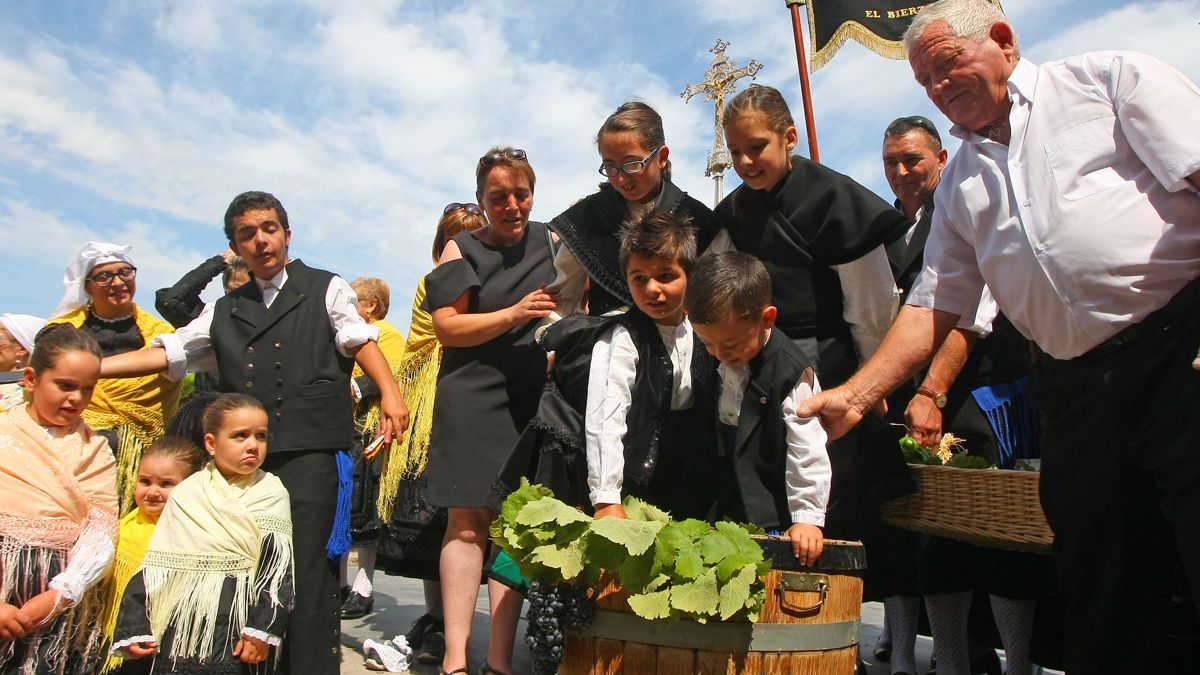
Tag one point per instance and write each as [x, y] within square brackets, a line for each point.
[470, 208]
[489, 160]
[912, 121]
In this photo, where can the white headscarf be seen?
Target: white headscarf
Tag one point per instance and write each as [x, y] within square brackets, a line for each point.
[23, 328]
[88, 256]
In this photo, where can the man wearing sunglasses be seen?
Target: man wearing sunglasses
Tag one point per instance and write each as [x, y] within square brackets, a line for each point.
[289, 338]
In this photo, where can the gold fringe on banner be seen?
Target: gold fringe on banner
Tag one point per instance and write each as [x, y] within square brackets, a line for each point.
[852, 30]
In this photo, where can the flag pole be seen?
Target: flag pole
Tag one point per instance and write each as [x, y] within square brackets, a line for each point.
[809, 123]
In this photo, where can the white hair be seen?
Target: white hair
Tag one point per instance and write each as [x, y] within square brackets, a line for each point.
[972, 19]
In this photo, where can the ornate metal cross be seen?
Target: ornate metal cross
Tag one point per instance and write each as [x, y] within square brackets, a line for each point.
[718, 82]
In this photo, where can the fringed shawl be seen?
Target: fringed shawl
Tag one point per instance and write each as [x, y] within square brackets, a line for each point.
[417, 375]
[138, 407]
[133, 536]
[210, 530]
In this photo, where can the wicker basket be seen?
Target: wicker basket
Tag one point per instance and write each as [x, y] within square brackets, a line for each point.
[994, 508]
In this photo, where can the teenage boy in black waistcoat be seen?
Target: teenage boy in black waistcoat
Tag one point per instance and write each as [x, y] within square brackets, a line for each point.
[290, 339]
[778, 473]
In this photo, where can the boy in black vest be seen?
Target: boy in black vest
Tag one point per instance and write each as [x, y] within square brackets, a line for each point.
[777, 468]
[289, 338]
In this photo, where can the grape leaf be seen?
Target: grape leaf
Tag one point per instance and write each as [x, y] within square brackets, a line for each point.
[689, 564]
[549, 510]
[637, 571]
[636, 509]
[518, 499]
[568, 560]
[735, 592]
[654, 605]
[697, 597]
[635, 536]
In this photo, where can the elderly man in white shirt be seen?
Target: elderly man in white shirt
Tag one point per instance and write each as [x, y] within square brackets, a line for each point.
[1073, 199]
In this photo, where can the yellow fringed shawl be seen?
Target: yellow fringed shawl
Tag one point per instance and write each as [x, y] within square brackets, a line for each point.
[210, 530]
[132, 539]
[137, 407]
[417, 375]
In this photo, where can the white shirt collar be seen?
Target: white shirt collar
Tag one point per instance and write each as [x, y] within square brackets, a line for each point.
[276, 281]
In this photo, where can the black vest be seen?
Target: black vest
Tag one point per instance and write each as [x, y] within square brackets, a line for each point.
[814, 219]
[286, 357]
[760, 449]
[590, 228]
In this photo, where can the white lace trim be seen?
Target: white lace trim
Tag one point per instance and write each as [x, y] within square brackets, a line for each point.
[120, 645]
[261, 635]
[90, 558]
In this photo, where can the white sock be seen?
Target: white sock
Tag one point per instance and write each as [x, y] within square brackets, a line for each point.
[1014, 620]
[902, 614]
[362, 584]
[948, 621]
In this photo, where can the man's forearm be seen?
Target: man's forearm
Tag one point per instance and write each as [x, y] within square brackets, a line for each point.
[143, 362]
[949, 360]
[908, 345]
[375, 366]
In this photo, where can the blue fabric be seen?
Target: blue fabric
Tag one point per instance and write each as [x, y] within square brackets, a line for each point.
[339, 538]
[1011, 414]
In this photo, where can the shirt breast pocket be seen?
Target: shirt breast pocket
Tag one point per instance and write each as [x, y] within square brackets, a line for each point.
[1081, 159]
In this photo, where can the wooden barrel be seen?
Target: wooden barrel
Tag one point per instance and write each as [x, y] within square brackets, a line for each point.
[809, 625]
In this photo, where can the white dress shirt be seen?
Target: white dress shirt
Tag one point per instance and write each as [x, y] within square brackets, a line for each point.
[807, 471]
[190, 349]
[869, 299]
[1083, 224]
[610, 393]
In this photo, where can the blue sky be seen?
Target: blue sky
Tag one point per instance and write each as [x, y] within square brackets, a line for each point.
[136, 121]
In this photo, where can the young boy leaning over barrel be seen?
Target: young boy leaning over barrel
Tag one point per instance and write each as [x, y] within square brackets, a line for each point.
[774, 469]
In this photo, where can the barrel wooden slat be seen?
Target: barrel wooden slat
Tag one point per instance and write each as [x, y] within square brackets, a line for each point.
[627, 649]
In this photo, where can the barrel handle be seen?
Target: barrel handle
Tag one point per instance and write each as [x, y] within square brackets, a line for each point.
[798, 582]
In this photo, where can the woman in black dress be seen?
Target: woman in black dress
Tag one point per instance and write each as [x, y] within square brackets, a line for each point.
[486, 296]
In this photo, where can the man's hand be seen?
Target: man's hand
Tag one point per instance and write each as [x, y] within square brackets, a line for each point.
[840, 409]
[251, 650]
[395, 415]
[924, 421]
[140, 650]
[611, 511]
[14, 623]
[807, 542]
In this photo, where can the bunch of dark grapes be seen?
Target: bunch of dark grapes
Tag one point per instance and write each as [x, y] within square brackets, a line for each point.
[553, 610]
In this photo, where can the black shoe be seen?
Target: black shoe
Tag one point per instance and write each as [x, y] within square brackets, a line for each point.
[433, 650]
[356, 606]
[424, 624]
[345, 592]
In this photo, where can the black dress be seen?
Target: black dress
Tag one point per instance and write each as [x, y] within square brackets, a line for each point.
[487, 393]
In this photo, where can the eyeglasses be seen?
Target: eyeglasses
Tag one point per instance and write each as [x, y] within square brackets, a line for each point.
[489, 160]
[628, 168]
[105, 279]
[470, 208]
[904, 124]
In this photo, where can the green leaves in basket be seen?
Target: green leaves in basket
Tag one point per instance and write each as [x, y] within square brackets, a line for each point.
[670, 569]
[963, 460]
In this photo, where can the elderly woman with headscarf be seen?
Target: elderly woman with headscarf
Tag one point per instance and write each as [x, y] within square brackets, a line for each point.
[99, 286]
[16, 344]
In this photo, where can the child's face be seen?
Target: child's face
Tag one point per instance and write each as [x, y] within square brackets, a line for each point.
[658, 286]
[620, 148]
[760, 154]
[735, 341]
[157, 476]
[240, 445]
[62, 392]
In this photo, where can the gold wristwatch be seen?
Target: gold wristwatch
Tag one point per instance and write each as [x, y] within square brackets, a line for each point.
[939, 400]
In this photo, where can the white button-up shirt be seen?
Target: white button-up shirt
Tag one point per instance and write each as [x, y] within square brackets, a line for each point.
[610, 393]
[190, 349]
[1084, 223]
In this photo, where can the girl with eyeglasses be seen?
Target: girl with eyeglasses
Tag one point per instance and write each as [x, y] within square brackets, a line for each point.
[99, 286]
[486, 296]
[635, 160]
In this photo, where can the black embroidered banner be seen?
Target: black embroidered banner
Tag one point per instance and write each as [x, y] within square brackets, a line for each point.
[876, 24]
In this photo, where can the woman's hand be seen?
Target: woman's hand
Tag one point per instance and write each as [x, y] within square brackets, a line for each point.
[536, 305]
[251, 650]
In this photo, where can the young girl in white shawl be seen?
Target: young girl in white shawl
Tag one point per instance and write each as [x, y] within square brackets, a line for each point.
[58, 510]
[214, 590]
